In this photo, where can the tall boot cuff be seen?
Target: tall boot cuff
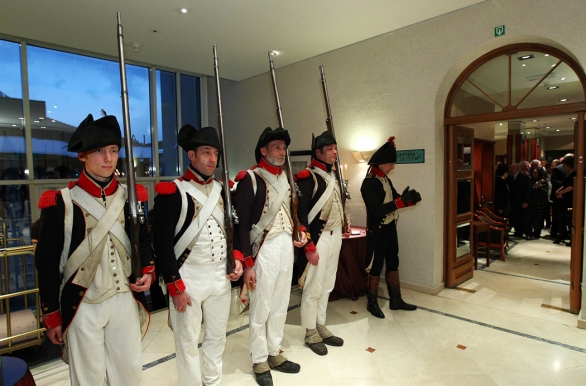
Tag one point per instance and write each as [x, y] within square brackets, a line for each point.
[260, 368]
[312, 336]
[276, 360]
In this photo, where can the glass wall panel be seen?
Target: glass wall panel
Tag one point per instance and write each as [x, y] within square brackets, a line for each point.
[463, 232]
[12, 142]
[167, 115]
[190, 106]
[64, 88]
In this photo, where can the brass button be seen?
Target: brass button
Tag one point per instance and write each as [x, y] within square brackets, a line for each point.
[87, 215]
[111, 247]
[74, 308]
[127, 257]
[122, 222]
[80, 293]
[111, 253]
[82, 269]
[117, 281]
[117, 288]
[115, 274]
[46, 309]
[111, 261]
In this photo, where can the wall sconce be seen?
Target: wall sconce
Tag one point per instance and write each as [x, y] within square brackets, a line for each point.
[362, 156]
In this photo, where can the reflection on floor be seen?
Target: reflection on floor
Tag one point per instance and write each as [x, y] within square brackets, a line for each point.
[492, 331]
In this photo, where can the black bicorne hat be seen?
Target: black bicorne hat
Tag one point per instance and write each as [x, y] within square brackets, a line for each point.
[387, 153]
[324, 139]
[269, 135]
[189, 138]
[92, 134]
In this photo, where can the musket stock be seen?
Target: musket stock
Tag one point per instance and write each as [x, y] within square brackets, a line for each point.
[294, 189]
[330, 125]
[229, 213]
[136, 213]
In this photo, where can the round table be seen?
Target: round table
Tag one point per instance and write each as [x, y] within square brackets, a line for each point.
[15, 371]
[351, 276]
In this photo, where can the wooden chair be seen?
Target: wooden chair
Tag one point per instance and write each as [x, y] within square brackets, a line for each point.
[495, 217]
[499, 237]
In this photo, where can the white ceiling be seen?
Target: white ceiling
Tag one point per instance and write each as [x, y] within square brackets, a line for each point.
[243, 30]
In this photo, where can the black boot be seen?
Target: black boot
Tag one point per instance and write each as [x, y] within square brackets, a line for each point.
[394, 287]
[371, 295]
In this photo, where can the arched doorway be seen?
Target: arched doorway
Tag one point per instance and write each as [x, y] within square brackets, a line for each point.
[518, 83]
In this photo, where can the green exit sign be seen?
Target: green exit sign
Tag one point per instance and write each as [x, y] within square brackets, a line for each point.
[499, 31]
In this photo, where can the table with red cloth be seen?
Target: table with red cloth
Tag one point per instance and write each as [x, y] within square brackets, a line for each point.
[351, 277]
[15, 371]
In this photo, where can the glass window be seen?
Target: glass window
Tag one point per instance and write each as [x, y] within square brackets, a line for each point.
[531, 78]
[190, 106]
[63, 89]
[167, 116]
[12, 142]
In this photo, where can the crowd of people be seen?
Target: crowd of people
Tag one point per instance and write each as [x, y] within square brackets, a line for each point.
[537, 195]
[93, 301]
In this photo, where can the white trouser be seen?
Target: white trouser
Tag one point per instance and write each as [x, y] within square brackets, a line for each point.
[273, 268]
[209, 290]
[104, 341]
[321, 279]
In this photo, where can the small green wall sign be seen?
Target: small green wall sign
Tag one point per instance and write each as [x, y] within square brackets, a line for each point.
[499, 31]
[416, 156]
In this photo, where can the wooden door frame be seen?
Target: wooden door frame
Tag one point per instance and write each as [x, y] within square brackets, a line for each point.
[577, 253]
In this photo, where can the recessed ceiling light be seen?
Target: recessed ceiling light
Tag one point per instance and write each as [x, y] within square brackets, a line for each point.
[525, 57]
[564, 78]
[548, 127]
[546, 54]
[553, 65]
[54, 107]
[535, 120]
[564, 100]
[184, 10]
[523, 65]
[274, 53]
[528, 132]
[573, 119]
[553, 87]
[558, 130]
[500, 124]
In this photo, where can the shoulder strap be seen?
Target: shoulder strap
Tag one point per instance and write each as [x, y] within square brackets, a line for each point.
[183, 213]
[253, 178]
[67, 228]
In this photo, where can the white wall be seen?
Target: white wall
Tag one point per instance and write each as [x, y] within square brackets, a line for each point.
[396, 84]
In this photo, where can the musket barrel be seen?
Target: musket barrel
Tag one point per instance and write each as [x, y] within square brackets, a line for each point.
[228, 210]
[136, 213]
[294, 189]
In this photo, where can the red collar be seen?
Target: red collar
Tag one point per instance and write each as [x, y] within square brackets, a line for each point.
[318, 164]
[276, 170]
[190, 175]
[90, 186]
[376, 171]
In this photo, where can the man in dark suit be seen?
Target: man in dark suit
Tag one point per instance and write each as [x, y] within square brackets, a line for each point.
[558, 208]
[520, 198]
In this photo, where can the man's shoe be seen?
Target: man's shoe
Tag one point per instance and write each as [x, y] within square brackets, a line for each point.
[334, 341]
[288, 367]
[569, 244]
[558, 241]
[264, 379]
[318, 348]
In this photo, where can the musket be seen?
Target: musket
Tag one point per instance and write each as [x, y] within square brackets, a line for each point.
[229, 212]
[344, 194]
[136, 213]
[294, 189]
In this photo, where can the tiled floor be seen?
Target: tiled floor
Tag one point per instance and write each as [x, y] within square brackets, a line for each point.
[492, 331]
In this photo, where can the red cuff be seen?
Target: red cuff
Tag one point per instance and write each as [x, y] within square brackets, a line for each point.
[248, 262]
[176, 288]
[52, 320]
[302, 228]
[150, 269]
[400, 203]
[309, 247]
[239, 255]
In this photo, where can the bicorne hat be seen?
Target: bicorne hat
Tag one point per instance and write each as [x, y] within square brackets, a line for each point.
[92, 134]
[269, 135]
[324, 139]
[387, 153]
[189, 138]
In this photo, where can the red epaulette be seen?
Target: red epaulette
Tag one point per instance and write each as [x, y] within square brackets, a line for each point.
[240, 175]
[71, 184]
[303, 174]
[48, 199]
[231, 184]
[165, 187]
[142, 194]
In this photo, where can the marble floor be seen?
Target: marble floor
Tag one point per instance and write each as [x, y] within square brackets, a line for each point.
[506, 326]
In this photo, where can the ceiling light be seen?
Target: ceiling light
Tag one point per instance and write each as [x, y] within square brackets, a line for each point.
[500, 124]
[548, 127]
[553, 65]
[535, 120]
[553, 87]
[564, 100]
[528, 132]
[525, 57]
[184, 10]
[54, 107]
[564, 78]
[523, 65]
[573, 119]
[546, 54]
[274, 53]
[558, 130]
